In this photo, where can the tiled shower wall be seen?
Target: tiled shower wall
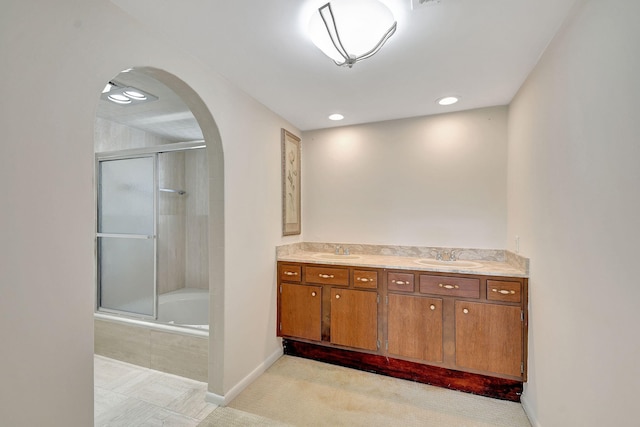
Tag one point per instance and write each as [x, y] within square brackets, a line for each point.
[196, 219]
[171, 222]
[182, 219]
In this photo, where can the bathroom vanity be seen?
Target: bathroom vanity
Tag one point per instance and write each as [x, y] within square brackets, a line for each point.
[460, 325]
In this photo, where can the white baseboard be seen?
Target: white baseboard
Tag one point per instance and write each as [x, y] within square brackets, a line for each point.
[527, 410]
[224, 400]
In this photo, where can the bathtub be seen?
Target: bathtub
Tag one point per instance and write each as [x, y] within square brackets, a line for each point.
[177, 343]
[186, 307]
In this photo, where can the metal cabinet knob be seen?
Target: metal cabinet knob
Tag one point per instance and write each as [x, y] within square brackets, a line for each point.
[313, 294]
[432, 306]
[465, 310]
[337, 296]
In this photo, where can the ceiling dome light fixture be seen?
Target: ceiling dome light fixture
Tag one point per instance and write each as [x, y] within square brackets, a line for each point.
[365, 26]
[336, 116]
[448, 100]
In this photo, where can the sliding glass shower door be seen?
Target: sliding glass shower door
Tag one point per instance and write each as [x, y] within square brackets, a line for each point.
[127, 235]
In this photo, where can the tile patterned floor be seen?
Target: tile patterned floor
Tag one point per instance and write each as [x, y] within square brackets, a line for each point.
[130, 396]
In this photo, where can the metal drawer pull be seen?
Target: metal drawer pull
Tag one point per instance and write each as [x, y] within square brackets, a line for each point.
[337, 296]
[504, 291]
[400, 282]
[447, 286]
[290, 273]
[363, 279]
[432, 307]
[313, 294]
[326, 276]
[465, 311]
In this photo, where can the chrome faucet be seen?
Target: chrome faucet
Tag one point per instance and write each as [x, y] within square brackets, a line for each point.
[341, 250]
[446, 255]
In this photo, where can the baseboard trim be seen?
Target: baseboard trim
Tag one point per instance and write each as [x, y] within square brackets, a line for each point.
[224, 400]
[529, 411]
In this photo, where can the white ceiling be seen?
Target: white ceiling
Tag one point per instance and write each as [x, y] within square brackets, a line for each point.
[167, 117]
[481, 51]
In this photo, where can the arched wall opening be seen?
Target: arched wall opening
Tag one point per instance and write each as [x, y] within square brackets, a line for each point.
[215, 221]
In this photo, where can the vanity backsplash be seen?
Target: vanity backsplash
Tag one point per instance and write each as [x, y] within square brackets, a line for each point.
[509, 258]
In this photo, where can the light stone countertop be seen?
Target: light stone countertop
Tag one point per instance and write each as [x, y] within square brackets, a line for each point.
[492, 263]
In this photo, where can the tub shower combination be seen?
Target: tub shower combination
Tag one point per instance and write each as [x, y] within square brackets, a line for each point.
[152, 305]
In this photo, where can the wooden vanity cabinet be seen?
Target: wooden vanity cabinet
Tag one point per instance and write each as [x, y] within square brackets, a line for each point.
[414, 327]
[354, 318]
[300, 311]
[329, 304]
[462, 331]
[489, 337]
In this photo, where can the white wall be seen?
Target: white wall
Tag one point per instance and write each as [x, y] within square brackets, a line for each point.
[574, 199]
[428, 181]
[58, 57]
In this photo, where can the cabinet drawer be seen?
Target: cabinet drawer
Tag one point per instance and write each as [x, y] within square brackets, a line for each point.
[499, 290]
[327, 275]
[451, 286]
[400, 282]
[289, 272]
[365, 279]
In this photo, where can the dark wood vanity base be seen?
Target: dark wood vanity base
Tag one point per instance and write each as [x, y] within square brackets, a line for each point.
[498, 388]
[461, 331]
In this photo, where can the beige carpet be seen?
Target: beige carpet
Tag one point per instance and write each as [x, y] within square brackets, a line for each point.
[302, 392]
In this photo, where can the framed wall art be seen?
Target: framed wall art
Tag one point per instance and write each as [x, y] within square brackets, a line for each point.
[290, 183]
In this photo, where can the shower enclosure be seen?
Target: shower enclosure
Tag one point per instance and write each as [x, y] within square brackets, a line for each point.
[152, 240]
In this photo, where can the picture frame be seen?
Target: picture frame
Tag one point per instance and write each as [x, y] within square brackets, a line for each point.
[291, 223]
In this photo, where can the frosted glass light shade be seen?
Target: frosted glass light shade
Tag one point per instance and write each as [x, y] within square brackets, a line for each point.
[361, 25]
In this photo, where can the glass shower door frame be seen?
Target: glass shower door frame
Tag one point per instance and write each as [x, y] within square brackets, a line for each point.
[99, 235]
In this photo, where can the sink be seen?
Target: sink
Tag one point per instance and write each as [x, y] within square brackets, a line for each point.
[336, 257]
[451, 264]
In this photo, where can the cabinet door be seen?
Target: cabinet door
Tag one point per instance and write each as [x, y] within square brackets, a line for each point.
[414, 327]
[300, 311]
[489, 337]
[354, 318]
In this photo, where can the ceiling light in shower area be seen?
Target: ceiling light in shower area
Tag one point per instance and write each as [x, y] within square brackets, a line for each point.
[125, 95]
[336, 117]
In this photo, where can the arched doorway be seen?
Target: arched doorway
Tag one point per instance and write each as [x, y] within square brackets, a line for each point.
[174, 126]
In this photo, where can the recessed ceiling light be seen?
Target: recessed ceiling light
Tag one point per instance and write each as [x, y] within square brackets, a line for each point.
[336, 117]
[448, 100]
[126, 95]
[119, 99]
[134, 94]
